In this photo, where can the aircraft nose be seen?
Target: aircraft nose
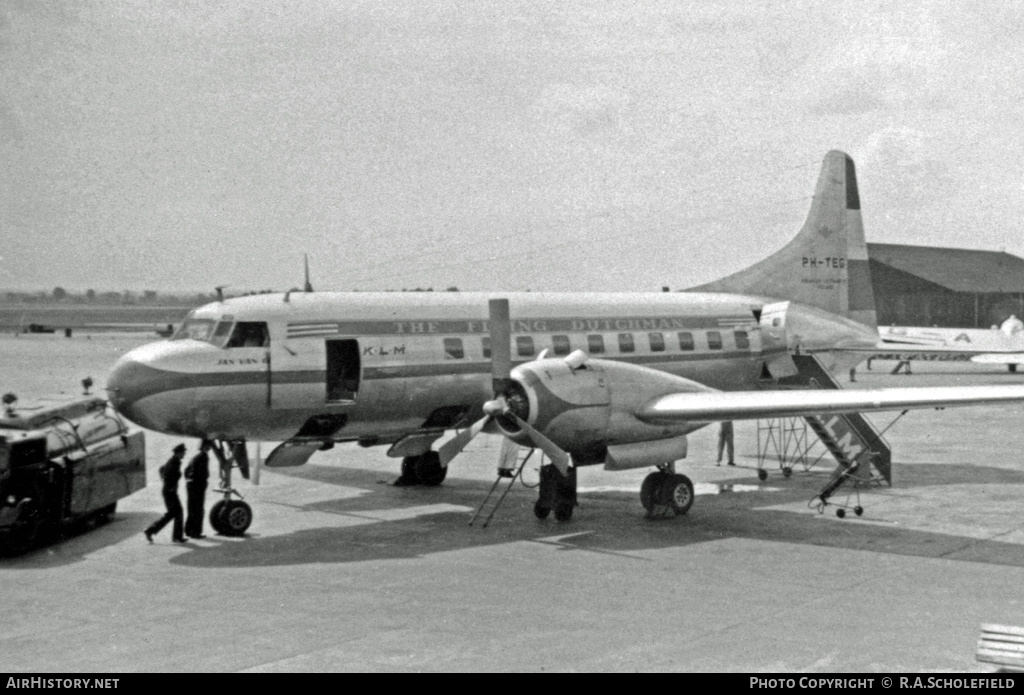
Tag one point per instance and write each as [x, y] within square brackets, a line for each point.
[129, 383]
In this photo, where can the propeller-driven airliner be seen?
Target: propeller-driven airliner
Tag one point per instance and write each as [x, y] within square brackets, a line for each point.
[589, 378]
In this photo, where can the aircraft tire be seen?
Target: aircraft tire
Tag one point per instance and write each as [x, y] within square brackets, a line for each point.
[648, 490]
[429, 470]
[236, 518]
[216, 517]
[677, 493]
[408, 472]
[540, 511]
[563, 510]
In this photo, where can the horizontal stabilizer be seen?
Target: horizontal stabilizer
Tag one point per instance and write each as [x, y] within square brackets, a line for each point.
[999, 358]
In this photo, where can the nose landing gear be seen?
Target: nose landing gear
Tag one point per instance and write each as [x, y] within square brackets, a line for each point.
[230, 516]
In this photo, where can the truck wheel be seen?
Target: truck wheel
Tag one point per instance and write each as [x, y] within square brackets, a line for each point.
[103, 514]
[236, 517]
[22, 534]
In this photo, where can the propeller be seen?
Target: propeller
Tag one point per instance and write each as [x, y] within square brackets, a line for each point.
[501, 381]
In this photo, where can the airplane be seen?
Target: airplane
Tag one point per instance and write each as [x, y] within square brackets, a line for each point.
[589, 378]
[1003, 344]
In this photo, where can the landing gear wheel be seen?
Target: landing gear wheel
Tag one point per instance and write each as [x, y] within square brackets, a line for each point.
[786, 472]
[858, 510]
[235, 518]
[429, 470]
[648, 488]
[563, 510]
[841, 513]
[540, 511]
[762, 474]
[408, 474]
[677, 492]
[217, 516]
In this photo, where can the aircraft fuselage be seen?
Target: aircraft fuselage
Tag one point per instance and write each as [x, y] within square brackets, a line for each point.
[376, 366]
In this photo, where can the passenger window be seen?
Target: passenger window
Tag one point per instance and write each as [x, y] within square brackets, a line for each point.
[524, 346]
[561, 344]
[249, 334]
[626, 342]
[657, 341]
[742, 341]
[714, 340]
[686, 341]
[595, 344]
[453, 349]
[485, 343]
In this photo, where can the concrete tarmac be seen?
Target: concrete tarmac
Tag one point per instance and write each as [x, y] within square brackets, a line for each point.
[343, 572]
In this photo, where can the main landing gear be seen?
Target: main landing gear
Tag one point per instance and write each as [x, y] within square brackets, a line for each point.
[666, 494]
[425, 469]
[229, 516]
[557, 493]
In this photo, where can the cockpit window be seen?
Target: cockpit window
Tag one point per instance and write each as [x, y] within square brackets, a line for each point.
[249, 334]
[195, 329]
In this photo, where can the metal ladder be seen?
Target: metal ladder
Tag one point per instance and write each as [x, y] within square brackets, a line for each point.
[493, 501]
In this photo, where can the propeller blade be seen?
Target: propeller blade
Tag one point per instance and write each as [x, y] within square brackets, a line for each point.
[456, 444]
[558, 457]
[501, 342]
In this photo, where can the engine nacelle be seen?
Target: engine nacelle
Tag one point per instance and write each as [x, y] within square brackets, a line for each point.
[587, 406]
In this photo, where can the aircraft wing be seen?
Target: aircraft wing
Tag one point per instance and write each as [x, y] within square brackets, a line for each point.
[752, 405]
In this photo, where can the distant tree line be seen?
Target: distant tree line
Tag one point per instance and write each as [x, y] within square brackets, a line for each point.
[59, 295]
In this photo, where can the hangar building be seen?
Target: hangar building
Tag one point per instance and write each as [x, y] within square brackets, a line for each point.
[955, 288]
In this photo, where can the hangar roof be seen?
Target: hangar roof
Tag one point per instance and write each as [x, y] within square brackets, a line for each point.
[960, 270]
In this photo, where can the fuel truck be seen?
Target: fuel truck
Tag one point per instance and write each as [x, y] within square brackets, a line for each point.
[63, 462]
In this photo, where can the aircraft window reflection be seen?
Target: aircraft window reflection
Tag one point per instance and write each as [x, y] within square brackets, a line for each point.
[657, 342]
[626, 342]
[686, 341]
[453, 349]
[249, 334]
[595, 344]
[221, 332]
[742, 341]
[561, 344]
[485, 343]
[524, 346]
[714, 340]
[195, 329]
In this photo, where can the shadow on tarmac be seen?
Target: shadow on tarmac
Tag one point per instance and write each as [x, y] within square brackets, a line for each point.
[605, 522]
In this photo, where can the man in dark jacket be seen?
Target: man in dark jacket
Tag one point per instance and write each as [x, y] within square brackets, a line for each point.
[197, 473]
[170, 474]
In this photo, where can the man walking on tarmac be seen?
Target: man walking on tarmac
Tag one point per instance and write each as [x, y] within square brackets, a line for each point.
[170, 474]
[197, 473]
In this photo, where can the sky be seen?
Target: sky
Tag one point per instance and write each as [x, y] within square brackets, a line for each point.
[586, 146]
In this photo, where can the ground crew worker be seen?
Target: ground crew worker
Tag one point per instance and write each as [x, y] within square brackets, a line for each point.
[197, 473]
[170, 474]
[725, 441]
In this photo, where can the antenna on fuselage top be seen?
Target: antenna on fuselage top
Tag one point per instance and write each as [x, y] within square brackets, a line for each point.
[308, 287]
[220, 292]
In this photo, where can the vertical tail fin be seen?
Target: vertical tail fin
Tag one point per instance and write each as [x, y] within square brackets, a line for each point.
[826, 264]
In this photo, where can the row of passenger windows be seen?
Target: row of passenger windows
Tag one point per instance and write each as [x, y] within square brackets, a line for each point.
[683, 341]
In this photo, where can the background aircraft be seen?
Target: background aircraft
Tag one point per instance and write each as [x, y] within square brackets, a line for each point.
[998, 345]
[612, 379]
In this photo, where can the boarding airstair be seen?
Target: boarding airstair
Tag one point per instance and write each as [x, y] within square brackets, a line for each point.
[510, 469]
[851, 438]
